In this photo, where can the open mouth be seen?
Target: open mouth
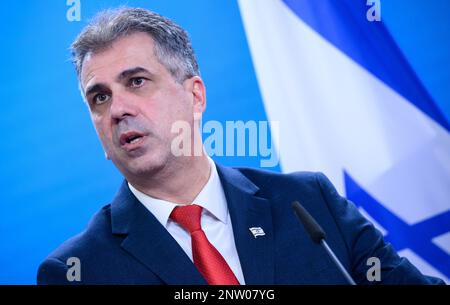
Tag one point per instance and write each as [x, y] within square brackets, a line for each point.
[130, 138]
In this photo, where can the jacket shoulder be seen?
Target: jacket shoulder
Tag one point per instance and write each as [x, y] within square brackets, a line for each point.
[270, 183]
[349, 233]
[82, 246]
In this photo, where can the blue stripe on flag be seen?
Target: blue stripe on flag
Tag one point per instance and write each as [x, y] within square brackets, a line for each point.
[417, 237]
[344, 24]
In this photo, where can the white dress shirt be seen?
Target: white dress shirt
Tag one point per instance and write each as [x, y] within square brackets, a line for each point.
[215, 220]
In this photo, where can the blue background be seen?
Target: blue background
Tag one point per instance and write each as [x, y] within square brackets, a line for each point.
[53, 172]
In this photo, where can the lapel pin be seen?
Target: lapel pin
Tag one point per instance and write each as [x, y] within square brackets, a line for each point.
[257, 231]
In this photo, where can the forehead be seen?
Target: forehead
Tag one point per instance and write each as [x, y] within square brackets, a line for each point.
[132, 50]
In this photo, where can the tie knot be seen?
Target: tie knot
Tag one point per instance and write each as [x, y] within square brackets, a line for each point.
[188, 216]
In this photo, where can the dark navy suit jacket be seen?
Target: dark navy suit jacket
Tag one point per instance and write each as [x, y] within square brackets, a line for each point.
[125, 244]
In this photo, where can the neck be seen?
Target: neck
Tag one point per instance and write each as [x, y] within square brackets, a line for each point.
[180, 183]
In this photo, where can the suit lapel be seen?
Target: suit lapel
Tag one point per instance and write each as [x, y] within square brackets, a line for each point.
[149, 242]
[249, 211]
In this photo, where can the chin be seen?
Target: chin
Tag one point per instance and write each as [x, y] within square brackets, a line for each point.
[147, 165]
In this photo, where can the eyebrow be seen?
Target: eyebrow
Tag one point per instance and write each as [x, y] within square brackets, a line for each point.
[129, 72]
[124, 74]
[95, 88]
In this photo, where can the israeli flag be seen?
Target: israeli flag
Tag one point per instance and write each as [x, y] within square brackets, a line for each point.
[348, 104]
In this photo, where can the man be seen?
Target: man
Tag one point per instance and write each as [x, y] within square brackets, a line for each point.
[181, 218]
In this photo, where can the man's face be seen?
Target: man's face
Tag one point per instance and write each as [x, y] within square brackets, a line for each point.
[133, 101]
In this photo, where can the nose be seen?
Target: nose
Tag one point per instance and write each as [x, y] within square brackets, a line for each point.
[122, 106]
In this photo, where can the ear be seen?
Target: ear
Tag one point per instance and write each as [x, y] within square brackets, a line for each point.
[198, 90]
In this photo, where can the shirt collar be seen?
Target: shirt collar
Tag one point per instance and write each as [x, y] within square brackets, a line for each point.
[211, 198]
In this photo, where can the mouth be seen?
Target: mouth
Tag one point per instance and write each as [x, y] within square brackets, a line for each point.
[131, 140]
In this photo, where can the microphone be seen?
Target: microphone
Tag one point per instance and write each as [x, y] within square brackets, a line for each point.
[317, 235]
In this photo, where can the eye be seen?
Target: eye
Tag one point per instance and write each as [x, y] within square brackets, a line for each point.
[137, 82]
[100, 98]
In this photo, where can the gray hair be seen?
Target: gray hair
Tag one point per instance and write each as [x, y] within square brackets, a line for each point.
[172, 48]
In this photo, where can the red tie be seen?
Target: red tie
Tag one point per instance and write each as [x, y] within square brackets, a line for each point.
[207, 259]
